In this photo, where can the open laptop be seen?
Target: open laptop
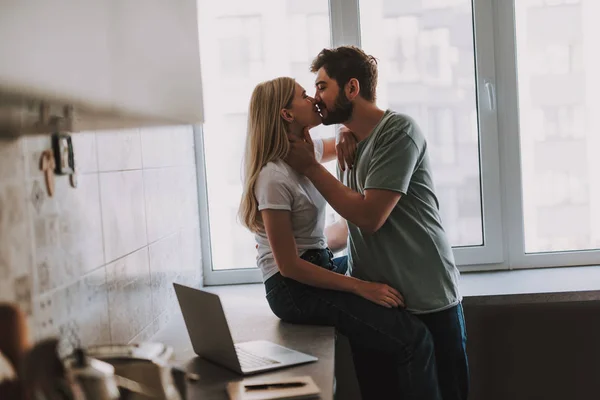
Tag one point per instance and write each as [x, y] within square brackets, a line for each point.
[211, 338]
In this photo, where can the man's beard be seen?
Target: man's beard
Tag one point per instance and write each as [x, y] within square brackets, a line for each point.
[342, 111]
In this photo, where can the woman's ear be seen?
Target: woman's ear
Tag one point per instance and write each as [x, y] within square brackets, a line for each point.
[352, 88]
[287, 115]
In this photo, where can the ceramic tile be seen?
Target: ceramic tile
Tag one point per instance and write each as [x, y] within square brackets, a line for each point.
[191, 257]
[67, 232]
[161, 321]
[157, 147]
[145, 335]
[7, 289]
[123, 213]
[168, 146]
[119, 150]
[183, 137]
[12, 160]
[37, 195]
[129, 296]
[77, 313]
[54, 313]
[171, 200]
[187, 190]
[52, 263]
[15, 240]
[84, 150]
[93, 317]
[163, 202]
[33, 146]
[50, 310]
[165, 257]
[23, 293]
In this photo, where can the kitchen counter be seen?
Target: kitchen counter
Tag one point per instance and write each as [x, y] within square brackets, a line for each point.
[250, 318]
[563, 292]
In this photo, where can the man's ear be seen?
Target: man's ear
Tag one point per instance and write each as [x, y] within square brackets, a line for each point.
[287, 115]
[352, 88]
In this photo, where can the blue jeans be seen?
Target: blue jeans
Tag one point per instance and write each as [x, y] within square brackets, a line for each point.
[447, 328]
[449, 334]
[403, 338]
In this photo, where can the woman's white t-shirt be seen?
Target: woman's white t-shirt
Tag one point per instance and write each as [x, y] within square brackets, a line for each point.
[279, 187]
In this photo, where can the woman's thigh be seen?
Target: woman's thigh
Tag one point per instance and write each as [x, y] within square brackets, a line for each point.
[373, 326]
[281, 301]
[364, 322]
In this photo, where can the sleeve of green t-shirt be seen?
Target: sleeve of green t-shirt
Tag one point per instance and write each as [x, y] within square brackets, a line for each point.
[395, 158]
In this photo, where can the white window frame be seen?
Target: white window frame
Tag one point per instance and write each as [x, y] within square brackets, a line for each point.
[510, 149]
[210, 276]
[345, 28]
[489, 256]
[499, 151]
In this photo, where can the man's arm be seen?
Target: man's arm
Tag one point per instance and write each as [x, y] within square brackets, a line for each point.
[389, 175]
[337, 235]
[278, 226]
[369, 211]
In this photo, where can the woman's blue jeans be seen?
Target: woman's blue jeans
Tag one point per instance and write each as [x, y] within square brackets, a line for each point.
[369, 327]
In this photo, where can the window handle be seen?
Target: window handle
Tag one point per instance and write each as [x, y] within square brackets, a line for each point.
[491, 94]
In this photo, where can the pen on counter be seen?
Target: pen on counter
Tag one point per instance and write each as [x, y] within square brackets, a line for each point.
[281, 385]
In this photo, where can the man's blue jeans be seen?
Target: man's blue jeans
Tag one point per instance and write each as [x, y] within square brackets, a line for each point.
[449, 335]
[403, 338]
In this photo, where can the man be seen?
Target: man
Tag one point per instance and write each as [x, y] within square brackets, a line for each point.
[392, 213]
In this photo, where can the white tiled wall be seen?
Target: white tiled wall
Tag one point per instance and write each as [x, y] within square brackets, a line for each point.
[119, 151]
[95, 264]
[124, 226]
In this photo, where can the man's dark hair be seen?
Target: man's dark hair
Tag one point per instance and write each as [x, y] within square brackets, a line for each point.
[346, 62]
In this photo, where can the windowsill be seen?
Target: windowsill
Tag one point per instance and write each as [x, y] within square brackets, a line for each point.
[542, 285]
[523, 286]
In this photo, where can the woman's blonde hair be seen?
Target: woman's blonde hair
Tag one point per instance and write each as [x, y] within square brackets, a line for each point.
[266, 140]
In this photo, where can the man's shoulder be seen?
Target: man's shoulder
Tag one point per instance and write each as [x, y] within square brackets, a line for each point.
[398, 120]
[398, 125]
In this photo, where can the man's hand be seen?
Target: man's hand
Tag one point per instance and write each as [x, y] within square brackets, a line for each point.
[345, 147]
[380, 293]
[302, 153]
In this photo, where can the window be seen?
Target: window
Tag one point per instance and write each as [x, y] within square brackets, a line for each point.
[241, 44]
[426, 53]
[557, 79]
[513, 139]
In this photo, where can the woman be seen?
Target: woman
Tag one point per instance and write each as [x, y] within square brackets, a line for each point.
[287, 215]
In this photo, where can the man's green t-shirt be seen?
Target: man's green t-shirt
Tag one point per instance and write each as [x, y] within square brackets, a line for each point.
[410, 252]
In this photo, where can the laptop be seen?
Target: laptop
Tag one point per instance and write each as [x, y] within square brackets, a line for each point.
[211, 338]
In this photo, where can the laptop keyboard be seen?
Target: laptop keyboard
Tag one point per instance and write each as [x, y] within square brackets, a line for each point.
[249, 360]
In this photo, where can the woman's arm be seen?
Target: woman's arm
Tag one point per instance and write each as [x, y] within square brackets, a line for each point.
[278, 226]
[337, 235]
[328, 150]
[342, 147]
